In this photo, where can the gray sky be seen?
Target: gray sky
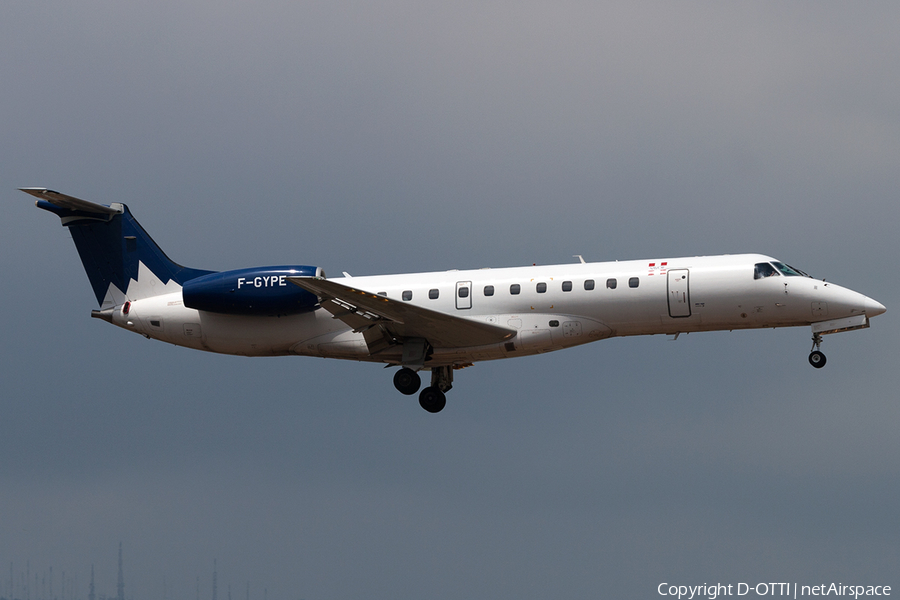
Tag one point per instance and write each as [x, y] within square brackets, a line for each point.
[408, 136]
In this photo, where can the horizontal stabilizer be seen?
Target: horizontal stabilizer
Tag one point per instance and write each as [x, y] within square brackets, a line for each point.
[69, 202]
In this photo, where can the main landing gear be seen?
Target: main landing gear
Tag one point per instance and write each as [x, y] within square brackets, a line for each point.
[816, 358]
[432, 398]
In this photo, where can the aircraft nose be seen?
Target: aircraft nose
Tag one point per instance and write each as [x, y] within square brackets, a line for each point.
[873, 307]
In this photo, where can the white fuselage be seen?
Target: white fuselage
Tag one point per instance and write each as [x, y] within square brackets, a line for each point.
[555, 307]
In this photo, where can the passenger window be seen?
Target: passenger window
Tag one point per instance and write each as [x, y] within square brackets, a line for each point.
[488, 290]
[611, 283]
[763, 270]
[554, 323]
[634, 282]
[515, 289]
[588, 284]
[463, 292]
[567, 286]
[407, 295]
[541, 287]
[433, 294]
[382, 294]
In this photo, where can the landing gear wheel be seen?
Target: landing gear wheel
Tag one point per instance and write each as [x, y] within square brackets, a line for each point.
[817, 359]
[407, 381]
[432, 399]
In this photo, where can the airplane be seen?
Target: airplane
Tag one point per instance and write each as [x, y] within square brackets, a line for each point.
[441, 321]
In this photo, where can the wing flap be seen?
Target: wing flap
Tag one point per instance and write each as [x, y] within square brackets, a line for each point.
[364, 310]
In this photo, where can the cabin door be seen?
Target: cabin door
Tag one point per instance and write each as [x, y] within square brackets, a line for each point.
[679, 293]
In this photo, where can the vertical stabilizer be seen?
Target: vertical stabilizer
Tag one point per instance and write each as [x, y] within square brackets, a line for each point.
[121, 260]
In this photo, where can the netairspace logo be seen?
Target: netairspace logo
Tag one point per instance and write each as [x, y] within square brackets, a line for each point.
[716, 590]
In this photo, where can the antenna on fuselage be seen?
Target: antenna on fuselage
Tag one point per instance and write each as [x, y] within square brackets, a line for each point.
[579, 257]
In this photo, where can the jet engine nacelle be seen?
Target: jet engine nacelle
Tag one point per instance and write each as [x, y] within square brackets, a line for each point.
[255, 291]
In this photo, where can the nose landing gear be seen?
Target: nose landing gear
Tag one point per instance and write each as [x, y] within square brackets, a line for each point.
[816, 358]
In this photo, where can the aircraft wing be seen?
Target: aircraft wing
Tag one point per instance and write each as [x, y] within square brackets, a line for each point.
[365, 311]
[69, 202]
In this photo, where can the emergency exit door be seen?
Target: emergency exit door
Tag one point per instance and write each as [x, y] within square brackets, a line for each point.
[463, 295]
[679, 293]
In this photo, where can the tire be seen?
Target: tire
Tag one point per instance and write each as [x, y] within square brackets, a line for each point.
[407, 381]
[817, 359]
[432, 399]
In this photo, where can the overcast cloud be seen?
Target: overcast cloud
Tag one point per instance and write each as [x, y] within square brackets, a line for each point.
[408, 136]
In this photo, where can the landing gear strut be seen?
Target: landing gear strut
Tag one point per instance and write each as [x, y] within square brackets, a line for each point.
[432, 398]
[816, 358]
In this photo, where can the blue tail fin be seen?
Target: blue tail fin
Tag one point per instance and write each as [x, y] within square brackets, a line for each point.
[121, 260]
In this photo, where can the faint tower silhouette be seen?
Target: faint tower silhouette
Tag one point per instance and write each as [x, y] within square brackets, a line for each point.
[91, 594]
[215, 576]
[120, 587]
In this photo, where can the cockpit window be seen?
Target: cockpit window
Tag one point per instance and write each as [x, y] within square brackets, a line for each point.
[763, 270]
[789, 270]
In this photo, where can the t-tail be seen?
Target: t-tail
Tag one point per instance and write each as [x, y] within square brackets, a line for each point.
[121, 260]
